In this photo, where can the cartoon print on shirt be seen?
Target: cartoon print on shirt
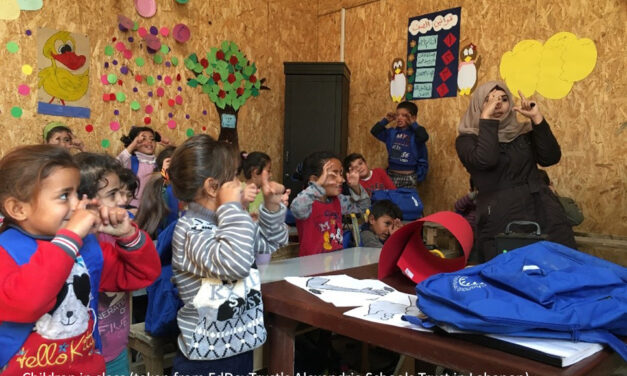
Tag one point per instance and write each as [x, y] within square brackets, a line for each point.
[70, 315]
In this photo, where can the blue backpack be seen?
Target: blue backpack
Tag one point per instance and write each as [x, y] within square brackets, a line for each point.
[163, 297]
[407, 200]
[21, 248]
[542, 290]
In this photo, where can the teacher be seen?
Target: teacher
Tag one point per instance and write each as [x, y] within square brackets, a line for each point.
[501, 155]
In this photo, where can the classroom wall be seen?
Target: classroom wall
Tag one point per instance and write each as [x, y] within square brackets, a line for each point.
[590, 122]
[268, 32]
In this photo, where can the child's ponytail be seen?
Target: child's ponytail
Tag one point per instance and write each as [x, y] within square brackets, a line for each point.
[153, 207]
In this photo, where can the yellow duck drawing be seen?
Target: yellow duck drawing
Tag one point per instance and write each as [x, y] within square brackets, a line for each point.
[57, 81]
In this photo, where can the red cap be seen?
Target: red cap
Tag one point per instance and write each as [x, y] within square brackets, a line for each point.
[406, 250]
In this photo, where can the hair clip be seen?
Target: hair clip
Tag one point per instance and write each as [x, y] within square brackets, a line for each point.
[165, 176]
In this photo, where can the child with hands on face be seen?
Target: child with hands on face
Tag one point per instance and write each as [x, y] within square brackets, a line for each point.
[57, 133]
[52, 267]
[319, 207]
[213, 258]
[100, 181]
[139, 155]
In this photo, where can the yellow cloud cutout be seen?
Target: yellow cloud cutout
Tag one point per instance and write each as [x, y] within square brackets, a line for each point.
[550, 69]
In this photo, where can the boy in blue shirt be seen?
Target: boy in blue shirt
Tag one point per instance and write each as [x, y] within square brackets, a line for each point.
[405, 140]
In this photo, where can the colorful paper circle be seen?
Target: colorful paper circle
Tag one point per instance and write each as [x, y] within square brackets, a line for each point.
[89, 128]
[27, 69]
[114, 125]
[23, 89]
[112, 78]
[149, 109]
[171, 124]
[16, 112]
[108, 50]
[105, 143]
[135, 105]
[140, 61]
[12, 47]
[189, 132]
[120, 96]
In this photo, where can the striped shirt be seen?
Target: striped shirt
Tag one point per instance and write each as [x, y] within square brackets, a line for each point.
[213, 256]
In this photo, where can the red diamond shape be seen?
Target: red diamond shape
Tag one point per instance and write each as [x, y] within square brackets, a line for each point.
[445, 74]
[447, 57]
[450, 39]
[442, 89]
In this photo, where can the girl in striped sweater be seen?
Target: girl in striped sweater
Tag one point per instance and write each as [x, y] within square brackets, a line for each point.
[213, 259]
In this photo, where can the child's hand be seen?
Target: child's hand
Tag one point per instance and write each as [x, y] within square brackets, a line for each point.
[390, 117]
[529, 109]
[78, 144]
[285, 198]
[248, 194]
[165, 142]
[396, 225]
[231, 191]
[135, 143]
[115, 222]
[272, 192]
[327, 172]
[83, 220]
[352, 179]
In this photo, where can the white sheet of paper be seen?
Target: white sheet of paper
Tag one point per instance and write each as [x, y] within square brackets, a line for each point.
[342, 290]
[389, 309]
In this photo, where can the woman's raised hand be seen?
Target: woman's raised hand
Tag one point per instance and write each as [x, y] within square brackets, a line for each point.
[529, 109]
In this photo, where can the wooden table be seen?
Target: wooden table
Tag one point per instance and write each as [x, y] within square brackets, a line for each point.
[287, 305]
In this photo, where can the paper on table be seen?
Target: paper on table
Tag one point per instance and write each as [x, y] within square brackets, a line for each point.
[570, 352]
[389, 310]
[342, 290]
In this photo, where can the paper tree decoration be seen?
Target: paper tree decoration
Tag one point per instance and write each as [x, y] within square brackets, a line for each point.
[229, 79]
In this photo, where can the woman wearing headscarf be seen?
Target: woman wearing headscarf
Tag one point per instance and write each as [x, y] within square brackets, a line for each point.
[501, 155]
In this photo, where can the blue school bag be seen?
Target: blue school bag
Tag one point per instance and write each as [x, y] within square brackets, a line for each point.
[163, 297]
[541, 290]
[21, 248]
[406, 199]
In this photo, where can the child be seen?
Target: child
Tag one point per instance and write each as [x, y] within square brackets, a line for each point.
[574, 216]
[384, 219]
[408, 161]
[257, 170]
[139, 155]
[372, 180]
[57, 133]
[51, 268]
[319, 207]
[100, 180]
[213, 259]
[129, 183]
[466, 206]
[155, 212]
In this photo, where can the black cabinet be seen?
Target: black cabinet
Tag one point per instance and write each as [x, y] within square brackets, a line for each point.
[316, 113]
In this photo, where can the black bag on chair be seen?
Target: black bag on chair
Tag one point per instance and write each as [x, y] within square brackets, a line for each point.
[509, 240]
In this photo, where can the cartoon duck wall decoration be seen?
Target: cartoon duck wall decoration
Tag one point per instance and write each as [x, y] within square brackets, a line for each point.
[398, 81]
[59, 81]
[467, 71]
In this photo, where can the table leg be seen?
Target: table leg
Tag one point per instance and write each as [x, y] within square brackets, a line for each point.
[281, 333]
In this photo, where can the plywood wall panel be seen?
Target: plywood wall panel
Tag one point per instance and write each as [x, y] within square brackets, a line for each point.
[588, 122]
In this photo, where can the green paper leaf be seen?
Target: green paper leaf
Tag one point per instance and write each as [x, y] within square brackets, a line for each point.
[174, 60]
[231, 69]
[202, 79]
[206, 89]
[233, 47]
[189, 64]
[211, 55]
[248, 70]
[248, 85]
[221, 64]
[257, 85]
[226, 86]
[213, 97]
[254, 92]
[192, 83]
[246, 94]
[215, 89]
[238, 77]
[198, 68]
[193, 58]
[225, 48]
[236, 103]
[220, 103]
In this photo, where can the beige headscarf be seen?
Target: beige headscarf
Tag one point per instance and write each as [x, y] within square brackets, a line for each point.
[509, 127]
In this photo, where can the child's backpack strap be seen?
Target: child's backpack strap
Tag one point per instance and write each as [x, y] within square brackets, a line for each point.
[134, 164]
[163, 298]
[13, 334]
[94, 260]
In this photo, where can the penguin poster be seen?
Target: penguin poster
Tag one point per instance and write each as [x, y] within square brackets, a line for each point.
[432, 54]
[398, 81]
[63, 62]
[469, 63]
